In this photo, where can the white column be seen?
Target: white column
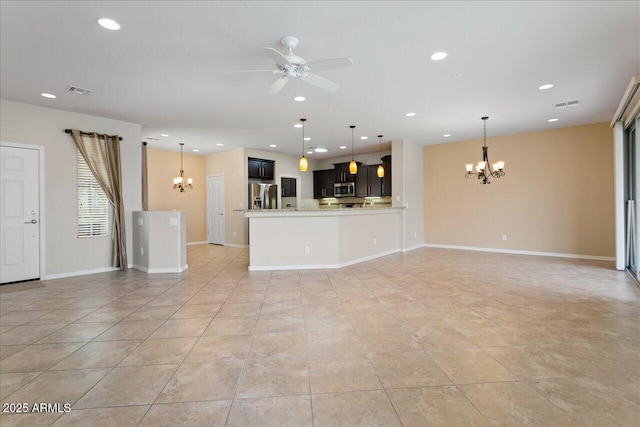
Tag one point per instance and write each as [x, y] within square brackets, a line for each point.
[618, 182]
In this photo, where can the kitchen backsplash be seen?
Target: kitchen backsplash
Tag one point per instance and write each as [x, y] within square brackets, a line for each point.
[354, 202]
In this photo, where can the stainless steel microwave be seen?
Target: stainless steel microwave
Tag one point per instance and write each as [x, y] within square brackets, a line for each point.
[344, 189]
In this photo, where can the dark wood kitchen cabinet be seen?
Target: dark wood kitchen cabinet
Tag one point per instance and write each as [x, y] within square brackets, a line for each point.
[323, 181]
[261, 168]
[386, 180]
[367, 183]
[288, 187]
[342, 173]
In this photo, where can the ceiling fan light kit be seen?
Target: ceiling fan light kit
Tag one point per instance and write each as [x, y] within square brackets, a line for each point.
[291, 66]
[483, 168]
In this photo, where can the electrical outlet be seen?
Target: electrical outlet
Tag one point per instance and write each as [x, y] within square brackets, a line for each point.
[375, 241]
[397, 198]
[173, 221]
[141, 250]
[234, 234]
[504, 237]
[140, 221]
[307, 249]
[415, 234]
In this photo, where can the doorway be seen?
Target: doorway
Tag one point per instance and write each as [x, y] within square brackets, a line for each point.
[289, 192]
[215, 209]
[21, 212]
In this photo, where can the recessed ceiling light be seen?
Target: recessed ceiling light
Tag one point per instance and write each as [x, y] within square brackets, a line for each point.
[410, 114]
[446, 135]
[307, 139]
[109, 24]
[299, 98]
[297, 125]
[310, 152]
[343, 147]
[219, 144]
[364, 137]
[272, 145]
[553, 120]
[164, 134]
[438, 56]
[320, 150]
[545, 87]
[48, 95]
[196, 150]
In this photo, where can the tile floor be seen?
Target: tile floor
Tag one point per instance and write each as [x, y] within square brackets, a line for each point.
[431, 337]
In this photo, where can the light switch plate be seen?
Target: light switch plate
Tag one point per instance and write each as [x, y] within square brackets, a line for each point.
[140, 221]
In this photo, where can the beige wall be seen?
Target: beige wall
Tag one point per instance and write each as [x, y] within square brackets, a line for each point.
[66, 254]
[556, 197]
[162, 167]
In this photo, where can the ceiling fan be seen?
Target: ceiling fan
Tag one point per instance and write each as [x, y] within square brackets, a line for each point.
[291, 66]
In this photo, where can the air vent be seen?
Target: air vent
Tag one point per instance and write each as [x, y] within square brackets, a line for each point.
[152, 139]
[567, 104]
[79, 90]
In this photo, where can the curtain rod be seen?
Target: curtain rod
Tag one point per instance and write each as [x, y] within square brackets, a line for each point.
[90, 133]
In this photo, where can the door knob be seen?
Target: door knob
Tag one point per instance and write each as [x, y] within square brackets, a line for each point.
[33, 221]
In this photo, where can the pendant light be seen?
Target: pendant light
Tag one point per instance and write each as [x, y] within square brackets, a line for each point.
[380, 170]
[179, 182]
[353, 166]
[304, 165]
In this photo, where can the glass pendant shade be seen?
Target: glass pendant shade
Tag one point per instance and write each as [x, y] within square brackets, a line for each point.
[353, 167]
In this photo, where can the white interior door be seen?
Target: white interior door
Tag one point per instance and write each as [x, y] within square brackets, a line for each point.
[19, 214]
[215, 209]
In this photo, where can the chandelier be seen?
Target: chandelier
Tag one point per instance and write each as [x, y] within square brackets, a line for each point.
[484, 169]
[179, 182]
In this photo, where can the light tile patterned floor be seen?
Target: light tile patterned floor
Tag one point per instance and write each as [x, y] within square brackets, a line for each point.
[428, 338]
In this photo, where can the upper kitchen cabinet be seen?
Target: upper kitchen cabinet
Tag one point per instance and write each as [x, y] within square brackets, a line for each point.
[386, 180]
[342, 173]
[261, 168]
[368, 184]
[288, 187]
[323, 183]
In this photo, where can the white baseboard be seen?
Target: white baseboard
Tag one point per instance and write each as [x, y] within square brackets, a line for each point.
[80, 273]
[517, 252]
[196, 243]
[322, 266]
[233, 245]
[161, 270]
[421, 245]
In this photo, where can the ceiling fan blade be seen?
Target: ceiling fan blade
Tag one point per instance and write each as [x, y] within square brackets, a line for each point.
[276, 56]
[252, 71]
[278, 85]
[321, 82]
[330, 64]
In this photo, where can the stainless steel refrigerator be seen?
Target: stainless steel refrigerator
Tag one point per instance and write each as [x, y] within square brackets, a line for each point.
[263, 196]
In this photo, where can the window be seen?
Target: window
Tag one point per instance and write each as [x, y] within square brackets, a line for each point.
[92, 203]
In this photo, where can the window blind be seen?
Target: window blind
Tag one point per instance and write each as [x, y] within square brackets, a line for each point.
[92, 203]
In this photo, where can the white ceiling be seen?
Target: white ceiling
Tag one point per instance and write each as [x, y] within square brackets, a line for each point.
[164, 68]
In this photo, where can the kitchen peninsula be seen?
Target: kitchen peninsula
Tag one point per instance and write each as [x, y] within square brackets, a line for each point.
[320, 238]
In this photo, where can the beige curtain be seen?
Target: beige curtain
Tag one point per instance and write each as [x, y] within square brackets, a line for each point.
[102, 154]
[145, 186]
